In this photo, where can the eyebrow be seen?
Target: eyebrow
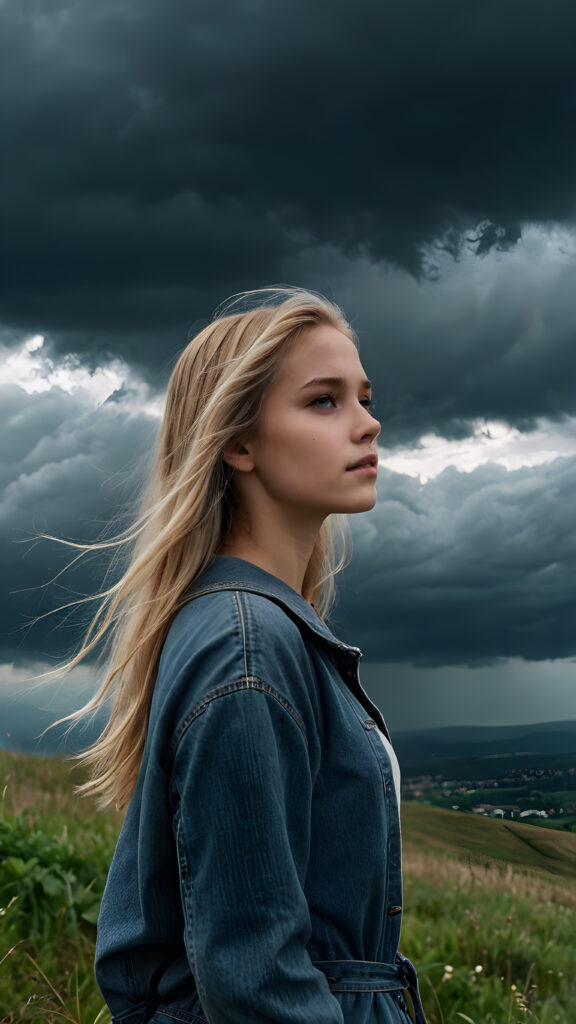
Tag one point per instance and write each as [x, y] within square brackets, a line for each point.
[331, 382]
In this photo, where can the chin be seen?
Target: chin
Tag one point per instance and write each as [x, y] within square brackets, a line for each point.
[367, 505]
[362, 505]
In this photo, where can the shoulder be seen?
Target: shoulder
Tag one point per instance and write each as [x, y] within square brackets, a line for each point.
[230, 638]
[268, 625]
[235, 619]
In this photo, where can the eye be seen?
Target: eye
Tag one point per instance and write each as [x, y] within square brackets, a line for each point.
[366, 402]
[324, 401]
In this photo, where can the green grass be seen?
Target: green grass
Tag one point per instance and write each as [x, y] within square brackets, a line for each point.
[490, 908]
[484, 840]
[560, 825]
[491, 941]
[54, 850]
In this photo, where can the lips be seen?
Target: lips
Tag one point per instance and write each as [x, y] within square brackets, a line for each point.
[368, 460]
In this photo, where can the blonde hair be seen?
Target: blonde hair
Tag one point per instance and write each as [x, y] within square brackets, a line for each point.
[215, 393]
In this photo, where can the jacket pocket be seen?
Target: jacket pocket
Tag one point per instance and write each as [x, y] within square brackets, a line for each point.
[167, 1014]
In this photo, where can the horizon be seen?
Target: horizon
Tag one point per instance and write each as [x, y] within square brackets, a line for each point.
[32, 748]
[23, 737]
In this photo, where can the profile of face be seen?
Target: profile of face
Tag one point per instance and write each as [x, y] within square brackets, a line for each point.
[314, 450]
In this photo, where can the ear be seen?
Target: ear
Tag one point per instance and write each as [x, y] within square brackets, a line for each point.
[237, 455]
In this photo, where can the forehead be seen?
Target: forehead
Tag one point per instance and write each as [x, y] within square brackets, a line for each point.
[321, 351]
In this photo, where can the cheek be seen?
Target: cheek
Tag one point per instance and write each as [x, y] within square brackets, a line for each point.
[302, 448]
[293, 461]
[290, 447]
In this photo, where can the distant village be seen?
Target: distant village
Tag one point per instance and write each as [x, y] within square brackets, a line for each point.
[535, 802]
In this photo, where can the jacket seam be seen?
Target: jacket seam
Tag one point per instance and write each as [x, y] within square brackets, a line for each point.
[243, 630]
[132, 1014]
[244, 683]
[241, 585]
[186, 889]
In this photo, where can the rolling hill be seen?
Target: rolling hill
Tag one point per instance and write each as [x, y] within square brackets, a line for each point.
[488, 840]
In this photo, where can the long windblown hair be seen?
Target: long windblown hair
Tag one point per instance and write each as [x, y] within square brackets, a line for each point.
[214, 394]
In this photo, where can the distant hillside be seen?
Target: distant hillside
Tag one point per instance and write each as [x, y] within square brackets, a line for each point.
[547, 738]
[484, 840]
[450, 733]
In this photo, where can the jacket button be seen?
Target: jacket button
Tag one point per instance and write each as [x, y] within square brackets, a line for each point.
[394, 910]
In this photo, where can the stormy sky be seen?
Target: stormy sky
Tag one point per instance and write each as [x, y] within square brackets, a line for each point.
[416, 162]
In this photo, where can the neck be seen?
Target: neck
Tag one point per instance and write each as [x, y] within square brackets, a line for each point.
[281, 545]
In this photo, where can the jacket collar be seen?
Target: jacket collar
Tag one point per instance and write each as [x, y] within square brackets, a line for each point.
[226, 572]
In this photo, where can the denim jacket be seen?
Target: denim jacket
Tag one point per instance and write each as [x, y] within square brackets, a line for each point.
[257, 877]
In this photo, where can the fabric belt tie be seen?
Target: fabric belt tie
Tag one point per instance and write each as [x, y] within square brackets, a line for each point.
[369, 976]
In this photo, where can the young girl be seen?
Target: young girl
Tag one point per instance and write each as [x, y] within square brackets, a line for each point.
[257, 877]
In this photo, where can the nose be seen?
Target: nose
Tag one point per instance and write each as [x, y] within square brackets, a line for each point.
[368, 425]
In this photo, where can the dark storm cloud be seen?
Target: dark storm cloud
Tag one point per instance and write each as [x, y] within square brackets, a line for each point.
[464, 568]
[158, 156]
[72, 470]
[490, 338]
[28, 710]
[469, 567]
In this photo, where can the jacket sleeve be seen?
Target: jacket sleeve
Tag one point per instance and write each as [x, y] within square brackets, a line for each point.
[242, 823]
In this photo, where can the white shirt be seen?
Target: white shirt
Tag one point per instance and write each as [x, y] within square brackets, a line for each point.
[394, 763]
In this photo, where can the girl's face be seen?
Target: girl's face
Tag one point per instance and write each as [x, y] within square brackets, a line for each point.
[315, 427]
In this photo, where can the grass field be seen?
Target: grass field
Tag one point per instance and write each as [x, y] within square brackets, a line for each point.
[490, 908]
[549, 852]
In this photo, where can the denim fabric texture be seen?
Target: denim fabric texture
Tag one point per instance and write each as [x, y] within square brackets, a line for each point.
[257, 877]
